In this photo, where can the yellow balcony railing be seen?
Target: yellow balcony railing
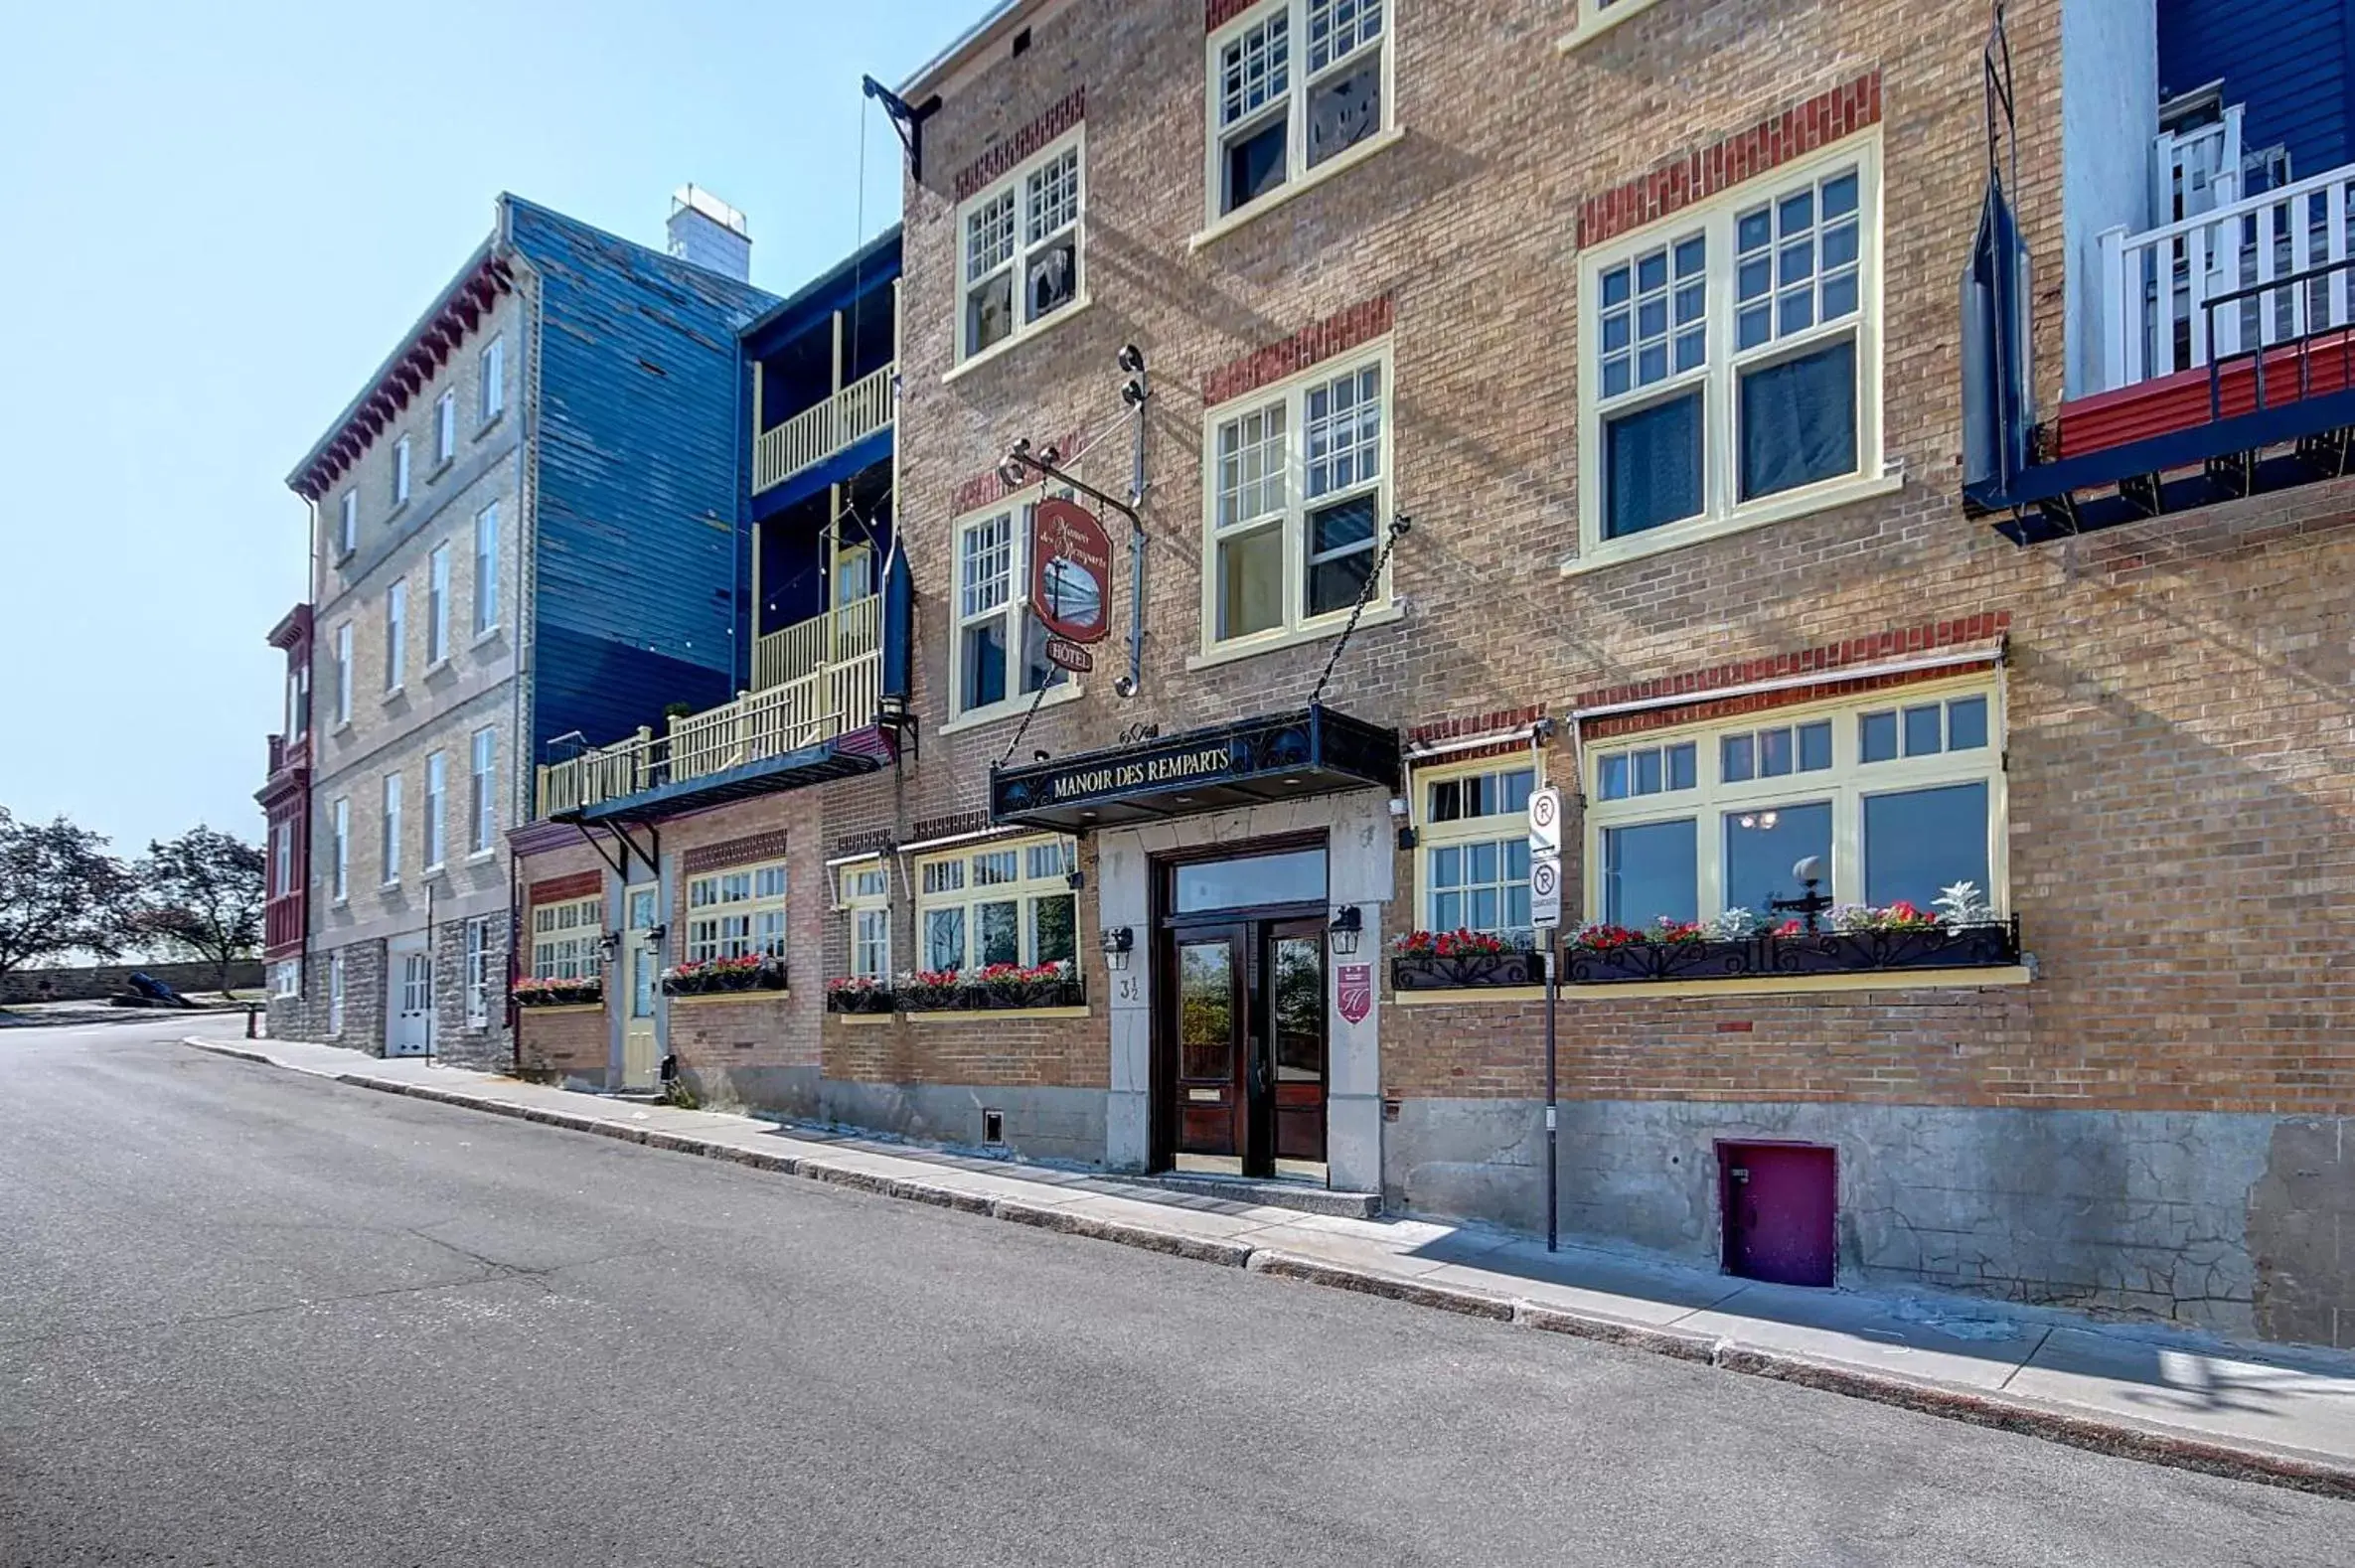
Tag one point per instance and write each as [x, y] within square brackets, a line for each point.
[851, 632]
[816, 433]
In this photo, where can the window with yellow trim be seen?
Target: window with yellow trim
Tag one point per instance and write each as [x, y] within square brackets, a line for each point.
[736, 913]
[1007, 902]
[566, 938]
[866, 900]
[1473, 831]
[1900, 796]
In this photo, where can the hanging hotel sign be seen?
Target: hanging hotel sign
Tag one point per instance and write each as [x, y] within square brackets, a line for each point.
[1065, 654]
[1070, 574]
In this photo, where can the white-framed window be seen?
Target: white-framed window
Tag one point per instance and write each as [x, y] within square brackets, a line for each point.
[482, 811]
[446, 427]
[298, 696]
[565, 938]
[1290, 85]
[438, 769]
[486, 569]
[1900, 794]
[1596, 15]
[1730, 367]
[281, 858]
[347, 524]
[395, 634]
[866, 900]
[1298, 498]
[494, 378]
[335, 992]
[400, 471]
[478, 972]
[287, 979]
[343, 673]
[338, 839]
[998, 654]
[390, 825]
[736, 913]
[1007, 902]
[437, 605]
[1019, 247]
[1473, 831]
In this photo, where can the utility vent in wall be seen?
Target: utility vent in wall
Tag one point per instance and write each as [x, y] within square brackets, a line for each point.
[993, 1127]
[1022, 41]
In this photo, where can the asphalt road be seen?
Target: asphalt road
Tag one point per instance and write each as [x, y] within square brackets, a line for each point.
[253, 1319]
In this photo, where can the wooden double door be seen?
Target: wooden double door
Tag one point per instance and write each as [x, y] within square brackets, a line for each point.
[1244, 1059]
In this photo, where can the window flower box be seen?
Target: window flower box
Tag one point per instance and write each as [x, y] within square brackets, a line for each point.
[557, 992]
[1461, 961]
[719, 976]
[1915, 947]
[858, 994]
[1860, 941]
[998, 988]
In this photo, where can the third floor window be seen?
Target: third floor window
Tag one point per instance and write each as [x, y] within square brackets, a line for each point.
[1020, 244]
[1292, 85]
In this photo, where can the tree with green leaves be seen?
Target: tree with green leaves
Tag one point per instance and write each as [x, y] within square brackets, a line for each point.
[202, 893]
[61, 892]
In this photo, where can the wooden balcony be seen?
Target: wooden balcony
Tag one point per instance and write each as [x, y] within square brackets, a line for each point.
[817, 681]
[816, 433]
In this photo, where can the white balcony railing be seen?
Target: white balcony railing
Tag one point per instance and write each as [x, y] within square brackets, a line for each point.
[817, 702]
[816, 433]
[2156, 285]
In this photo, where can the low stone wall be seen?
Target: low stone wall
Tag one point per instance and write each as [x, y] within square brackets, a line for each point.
[95, 983]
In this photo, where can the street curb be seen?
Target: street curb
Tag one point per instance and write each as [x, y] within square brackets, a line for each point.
[2027, 1418]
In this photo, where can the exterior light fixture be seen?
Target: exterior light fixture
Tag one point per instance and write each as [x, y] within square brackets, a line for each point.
[609, 943]
[1119, 941]
[1811, 905]
[1347, 922]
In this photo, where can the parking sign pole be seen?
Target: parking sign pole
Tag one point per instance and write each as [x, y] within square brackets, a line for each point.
[1553, 986]
[1545, 913]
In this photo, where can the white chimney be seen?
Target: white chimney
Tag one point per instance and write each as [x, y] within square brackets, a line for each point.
[710, 234]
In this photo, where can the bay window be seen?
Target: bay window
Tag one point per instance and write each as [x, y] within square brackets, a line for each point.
[1732, 367]
[1292, 84]
[1003, 903]
[1298, 505]
[736, 913]
[1899, 796]
[1020, 248]
[1474, 833]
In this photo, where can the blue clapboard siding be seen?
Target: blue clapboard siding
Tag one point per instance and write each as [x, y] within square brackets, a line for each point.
[642, 450]
[2286, 59]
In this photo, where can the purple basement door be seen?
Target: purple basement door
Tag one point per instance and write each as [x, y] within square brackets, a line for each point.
[1778, 1202]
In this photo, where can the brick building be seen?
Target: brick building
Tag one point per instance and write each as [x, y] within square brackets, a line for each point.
[1645, 312]
[562, 413]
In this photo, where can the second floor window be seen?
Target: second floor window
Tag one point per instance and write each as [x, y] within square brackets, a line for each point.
[482, 814]
[1021, 244]
[446, 427]
[400, 471]
[338, 843]
[395, 634]
[494, 378]
[486, 569]
[347, 524]
[736, 913]
[1299, 498]
[281, 858]
[1292, 84]
[392, 829]
[342, 673]
[437, 605]
[438, 788]
[999, 652]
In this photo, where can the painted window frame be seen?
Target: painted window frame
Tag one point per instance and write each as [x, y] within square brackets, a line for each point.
[436, 803]
[738, 911]
[335, 992]
[477, 972]
[1504, 829]
[1019, 184]
[1596, 17]
[865, 889]
[437, 605]
[1719, 377]
[338, 837]
[389, 828]
[568, 938]
[341, 641]
[1020, 626]
[486, 570]
[281, 858]
[1294, 392]
[396, 635]
[445, 426]
[1846, 785]
[287, 979]
[1292, 102]
[347, 522]
[401, 473]
[491, 370]
[966, 893]
[482, 772]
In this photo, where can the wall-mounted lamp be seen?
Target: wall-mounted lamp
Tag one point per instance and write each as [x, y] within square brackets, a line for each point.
[655, 935]
[1119, 941]
[609, 943]
[1347, 922]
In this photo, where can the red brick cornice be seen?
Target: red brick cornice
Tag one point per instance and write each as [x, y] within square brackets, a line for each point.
[991, 165]
[747, 850]
[1699, 175]
[1498, 722]
[1338, 333]
[1217, 13]
[563, 890]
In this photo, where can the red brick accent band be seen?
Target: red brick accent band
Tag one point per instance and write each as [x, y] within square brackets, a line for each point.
[979, 174]
[1338, 333]
[734, 851]
[563, 890]
[871, 842]
[1217, 13]
[1698, 176]
[1502, 719]
[947, 826]
[979, 490]
[1697, 686]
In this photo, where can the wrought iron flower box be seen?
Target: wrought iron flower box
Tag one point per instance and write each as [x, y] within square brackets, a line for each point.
[1991, 946]
[573, 995]
[720, 981]
[880, 998]
[994, 997]
[1465, 970]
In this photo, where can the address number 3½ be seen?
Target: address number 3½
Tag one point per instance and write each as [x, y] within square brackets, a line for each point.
[1128, 988]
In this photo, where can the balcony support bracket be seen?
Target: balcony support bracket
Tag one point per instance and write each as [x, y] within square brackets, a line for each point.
[2143, 493]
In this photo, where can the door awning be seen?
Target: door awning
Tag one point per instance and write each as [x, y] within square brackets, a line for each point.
[1252, 761]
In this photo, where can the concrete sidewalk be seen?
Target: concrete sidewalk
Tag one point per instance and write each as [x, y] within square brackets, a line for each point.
[2137, 1390]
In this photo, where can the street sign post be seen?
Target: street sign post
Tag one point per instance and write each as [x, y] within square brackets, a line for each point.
[1545, 913]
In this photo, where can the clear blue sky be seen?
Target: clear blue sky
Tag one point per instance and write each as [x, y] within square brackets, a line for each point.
[221, 218]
